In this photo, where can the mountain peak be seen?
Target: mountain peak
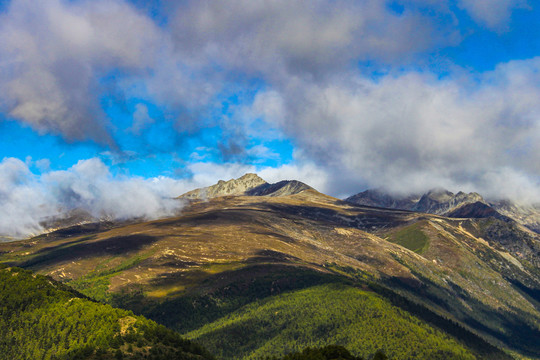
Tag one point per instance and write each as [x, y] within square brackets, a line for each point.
[436, 201]
[226, 188]
[249, 176]
[249, 184]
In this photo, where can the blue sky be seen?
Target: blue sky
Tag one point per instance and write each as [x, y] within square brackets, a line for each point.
[344, 95]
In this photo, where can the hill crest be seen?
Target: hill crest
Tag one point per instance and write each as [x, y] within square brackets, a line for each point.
[249, 184]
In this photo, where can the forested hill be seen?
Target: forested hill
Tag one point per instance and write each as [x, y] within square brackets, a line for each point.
[43, 319]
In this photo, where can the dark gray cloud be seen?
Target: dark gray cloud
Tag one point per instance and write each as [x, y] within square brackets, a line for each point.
[296, 38]
[53, 54]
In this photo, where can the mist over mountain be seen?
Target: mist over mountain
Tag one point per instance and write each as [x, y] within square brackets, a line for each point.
[443, 202]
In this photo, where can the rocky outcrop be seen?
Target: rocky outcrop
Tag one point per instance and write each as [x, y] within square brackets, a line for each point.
[460, 205]
[442, 202]
[247, 185]
[226, 188]
[477, 210]
[282, 188]
[436, 201]
[526, 215]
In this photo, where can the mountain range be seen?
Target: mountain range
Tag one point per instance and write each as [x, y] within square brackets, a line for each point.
[251, 269]
[443, 202]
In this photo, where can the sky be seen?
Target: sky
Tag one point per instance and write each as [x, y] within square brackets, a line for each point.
[118, 106]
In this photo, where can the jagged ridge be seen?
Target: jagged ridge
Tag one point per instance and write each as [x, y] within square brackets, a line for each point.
[249, 184]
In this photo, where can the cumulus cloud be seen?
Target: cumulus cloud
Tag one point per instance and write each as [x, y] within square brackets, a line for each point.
[22, 199]
[53, 54]
[414, 131]
[406, 131]
[27, 199]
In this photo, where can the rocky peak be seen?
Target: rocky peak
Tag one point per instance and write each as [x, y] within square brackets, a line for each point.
[441, 201]
[282, 188]
[248, 184]
[224, 188]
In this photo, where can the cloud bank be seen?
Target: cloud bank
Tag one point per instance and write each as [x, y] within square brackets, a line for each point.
[412, 132]
[27, 199]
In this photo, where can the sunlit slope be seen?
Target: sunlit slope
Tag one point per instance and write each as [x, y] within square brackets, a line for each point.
[42, 319]
[229, 242]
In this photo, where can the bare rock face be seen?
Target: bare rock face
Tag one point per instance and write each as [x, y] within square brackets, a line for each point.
[250, 185]
[527, 215]
[282, 188]
[441, 201]
[226, 188]
[477, 210]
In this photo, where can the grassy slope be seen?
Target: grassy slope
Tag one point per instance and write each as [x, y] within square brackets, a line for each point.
[327, 314]
[411, 237]
[43, 319]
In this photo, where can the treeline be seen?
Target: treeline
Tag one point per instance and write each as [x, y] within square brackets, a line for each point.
[43, 319]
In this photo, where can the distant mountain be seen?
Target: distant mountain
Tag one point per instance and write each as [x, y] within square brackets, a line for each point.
[441, 201]
[477, 210]
[254, 273]
[460, 205]
[379, 198]
[436, 201]
[249, 184]
[527, 215]
[254, 276]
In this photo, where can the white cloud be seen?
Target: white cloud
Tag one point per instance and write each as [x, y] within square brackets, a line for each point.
[27, 199]
[414, 131]
[308, 173]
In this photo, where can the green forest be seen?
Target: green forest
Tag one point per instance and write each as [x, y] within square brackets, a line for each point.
[316, 316]
[362, 321]
[43, 319]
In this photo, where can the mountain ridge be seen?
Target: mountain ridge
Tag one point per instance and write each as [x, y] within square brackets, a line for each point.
[249, 184]
[440, 201]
